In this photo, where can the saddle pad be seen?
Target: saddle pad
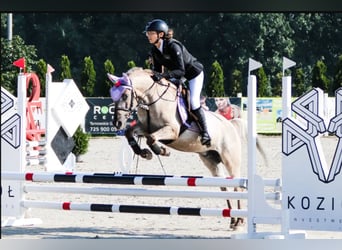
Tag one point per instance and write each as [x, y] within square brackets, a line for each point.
[184, 116]
[182, 111]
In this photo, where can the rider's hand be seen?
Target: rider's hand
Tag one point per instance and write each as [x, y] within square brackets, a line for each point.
[157, 77]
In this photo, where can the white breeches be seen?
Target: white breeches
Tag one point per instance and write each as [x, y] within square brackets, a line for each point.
[195, 86]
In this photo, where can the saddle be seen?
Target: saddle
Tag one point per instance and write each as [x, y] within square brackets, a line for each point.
[183, 105]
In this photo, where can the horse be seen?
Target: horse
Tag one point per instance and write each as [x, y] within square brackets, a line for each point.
[162, 122]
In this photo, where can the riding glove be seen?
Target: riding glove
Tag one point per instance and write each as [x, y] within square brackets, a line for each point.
[158, 76]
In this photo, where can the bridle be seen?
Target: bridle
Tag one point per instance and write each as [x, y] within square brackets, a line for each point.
[140, 100]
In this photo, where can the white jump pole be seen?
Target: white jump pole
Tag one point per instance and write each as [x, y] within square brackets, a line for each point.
[136, 209]
[13, 159]
[259, 212]
[65, 111]
[142, 192]
[286, 89]
[252, 135]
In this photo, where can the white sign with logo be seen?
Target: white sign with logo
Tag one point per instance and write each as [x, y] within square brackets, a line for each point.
[312, 184]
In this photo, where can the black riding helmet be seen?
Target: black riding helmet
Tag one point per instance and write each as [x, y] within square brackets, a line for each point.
[157, 25]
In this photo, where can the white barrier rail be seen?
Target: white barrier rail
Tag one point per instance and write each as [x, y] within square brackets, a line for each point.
[275, 196]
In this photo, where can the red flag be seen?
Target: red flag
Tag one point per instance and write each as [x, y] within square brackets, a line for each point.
[20, 63]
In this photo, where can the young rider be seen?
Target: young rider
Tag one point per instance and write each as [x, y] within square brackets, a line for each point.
[171, 54]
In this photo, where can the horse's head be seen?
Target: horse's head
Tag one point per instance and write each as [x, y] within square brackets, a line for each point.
[136, 91]
[122, 95]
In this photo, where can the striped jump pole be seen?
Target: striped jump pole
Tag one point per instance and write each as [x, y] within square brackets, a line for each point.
[135, 209]
[35, 143]
[35, 154]
[35, 161]
[275, 196]
[131, 180]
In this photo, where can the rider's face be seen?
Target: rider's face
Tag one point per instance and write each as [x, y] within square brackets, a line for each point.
[152, 36]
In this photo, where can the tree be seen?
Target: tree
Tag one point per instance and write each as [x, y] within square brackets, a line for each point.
[106, 84]
[275, 40]
[236, 82]
[277, 87]
[88, 77]
[215, 88]
[263, 86]
[65, 68]
[41, 73]
[299, 87]
[229, 38]
[131, 64]
[81, 140]
[337, 83]
[319, 78]
[147, 64]
[10, 52]
[317, 35]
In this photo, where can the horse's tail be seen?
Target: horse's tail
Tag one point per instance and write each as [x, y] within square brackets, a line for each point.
[242, 129]
[261, 151]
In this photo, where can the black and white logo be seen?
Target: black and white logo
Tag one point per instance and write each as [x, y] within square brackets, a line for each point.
[297, 135]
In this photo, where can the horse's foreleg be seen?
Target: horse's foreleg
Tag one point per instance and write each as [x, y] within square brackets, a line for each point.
[158, 150]
[165, 133]
[145, 153]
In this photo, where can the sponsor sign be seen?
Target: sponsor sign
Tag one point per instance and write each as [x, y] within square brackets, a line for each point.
[99, 119]
[312, 182]
[269, 113]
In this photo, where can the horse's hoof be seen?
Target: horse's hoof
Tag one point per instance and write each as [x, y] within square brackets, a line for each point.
[164, 151]
[238, 228]
[237, 225]
[146, 154]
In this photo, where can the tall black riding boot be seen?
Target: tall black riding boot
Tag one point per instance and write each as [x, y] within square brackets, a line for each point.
[199, 113]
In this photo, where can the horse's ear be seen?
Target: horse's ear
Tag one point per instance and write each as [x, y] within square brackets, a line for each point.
[113, 78]
[125, 77]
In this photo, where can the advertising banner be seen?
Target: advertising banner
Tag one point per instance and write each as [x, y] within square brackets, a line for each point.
[311, 180]
[99, 119]
[268, 114]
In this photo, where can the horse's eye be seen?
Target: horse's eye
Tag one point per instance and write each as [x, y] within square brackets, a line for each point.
[124, 97]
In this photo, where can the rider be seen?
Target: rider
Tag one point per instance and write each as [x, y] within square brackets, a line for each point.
[172, 54]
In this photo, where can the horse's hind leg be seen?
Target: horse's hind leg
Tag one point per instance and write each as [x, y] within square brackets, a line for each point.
[211, 160]
[232, 162]
[212, 163]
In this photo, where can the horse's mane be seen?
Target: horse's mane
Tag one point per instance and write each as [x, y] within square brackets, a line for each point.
[139, 69]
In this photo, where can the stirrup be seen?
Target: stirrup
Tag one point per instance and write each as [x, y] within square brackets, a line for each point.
[205, 139]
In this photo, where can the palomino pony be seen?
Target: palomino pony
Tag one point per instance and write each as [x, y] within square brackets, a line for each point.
[161, 120]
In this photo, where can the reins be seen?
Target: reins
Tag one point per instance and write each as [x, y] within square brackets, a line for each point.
[146, 105]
